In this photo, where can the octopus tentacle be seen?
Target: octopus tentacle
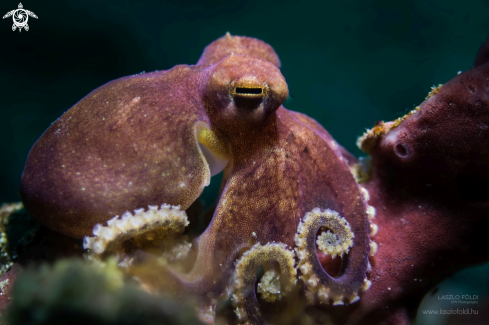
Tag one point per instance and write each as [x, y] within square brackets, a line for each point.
[244, 299]
[167, 221]
[373, 227]
[370, 209]
[316, 280]
[333, 243]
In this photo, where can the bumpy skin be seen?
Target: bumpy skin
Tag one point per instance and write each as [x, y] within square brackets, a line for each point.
[136, 142]
[429, 185]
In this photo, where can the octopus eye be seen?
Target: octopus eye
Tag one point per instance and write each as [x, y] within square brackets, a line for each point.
[249, 97]
[245, 89]
[248, 91]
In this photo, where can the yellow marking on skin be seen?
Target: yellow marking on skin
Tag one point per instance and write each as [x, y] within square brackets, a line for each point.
[210, 139]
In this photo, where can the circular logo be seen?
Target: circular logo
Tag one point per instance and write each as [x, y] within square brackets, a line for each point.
[20, 17]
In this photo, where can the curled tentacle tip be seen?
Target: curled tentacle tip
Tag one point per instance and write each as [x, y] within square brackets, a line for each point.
[337, 240]
[274, 284]
[168, 221]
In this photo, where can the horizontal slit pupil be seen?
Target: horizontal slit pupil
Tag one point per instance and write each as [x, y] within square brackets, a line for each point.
[252, 91]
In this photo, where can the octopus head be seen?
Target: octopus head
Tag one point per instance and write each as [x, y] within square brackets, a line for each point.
[243, 91]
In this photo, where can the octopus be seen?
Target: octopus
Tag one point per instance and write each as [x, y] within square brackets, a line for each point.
[298, 221]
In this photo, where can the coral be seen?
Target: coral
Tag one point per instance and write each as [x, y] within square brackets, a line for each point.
[6, 210]
[17, 230]
[158, 137]
[428, 182]
[77, 292]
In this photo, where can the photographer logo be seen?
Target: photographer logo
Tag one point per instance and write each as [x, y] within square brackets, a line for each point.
[20, 17]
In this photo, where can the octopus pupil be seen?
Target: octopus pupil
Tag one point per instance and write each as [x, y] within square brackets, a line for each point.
[248, 91]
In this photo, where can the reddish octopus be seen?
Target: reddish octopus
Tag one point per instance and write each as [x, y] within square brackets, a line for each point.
[289, 200]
